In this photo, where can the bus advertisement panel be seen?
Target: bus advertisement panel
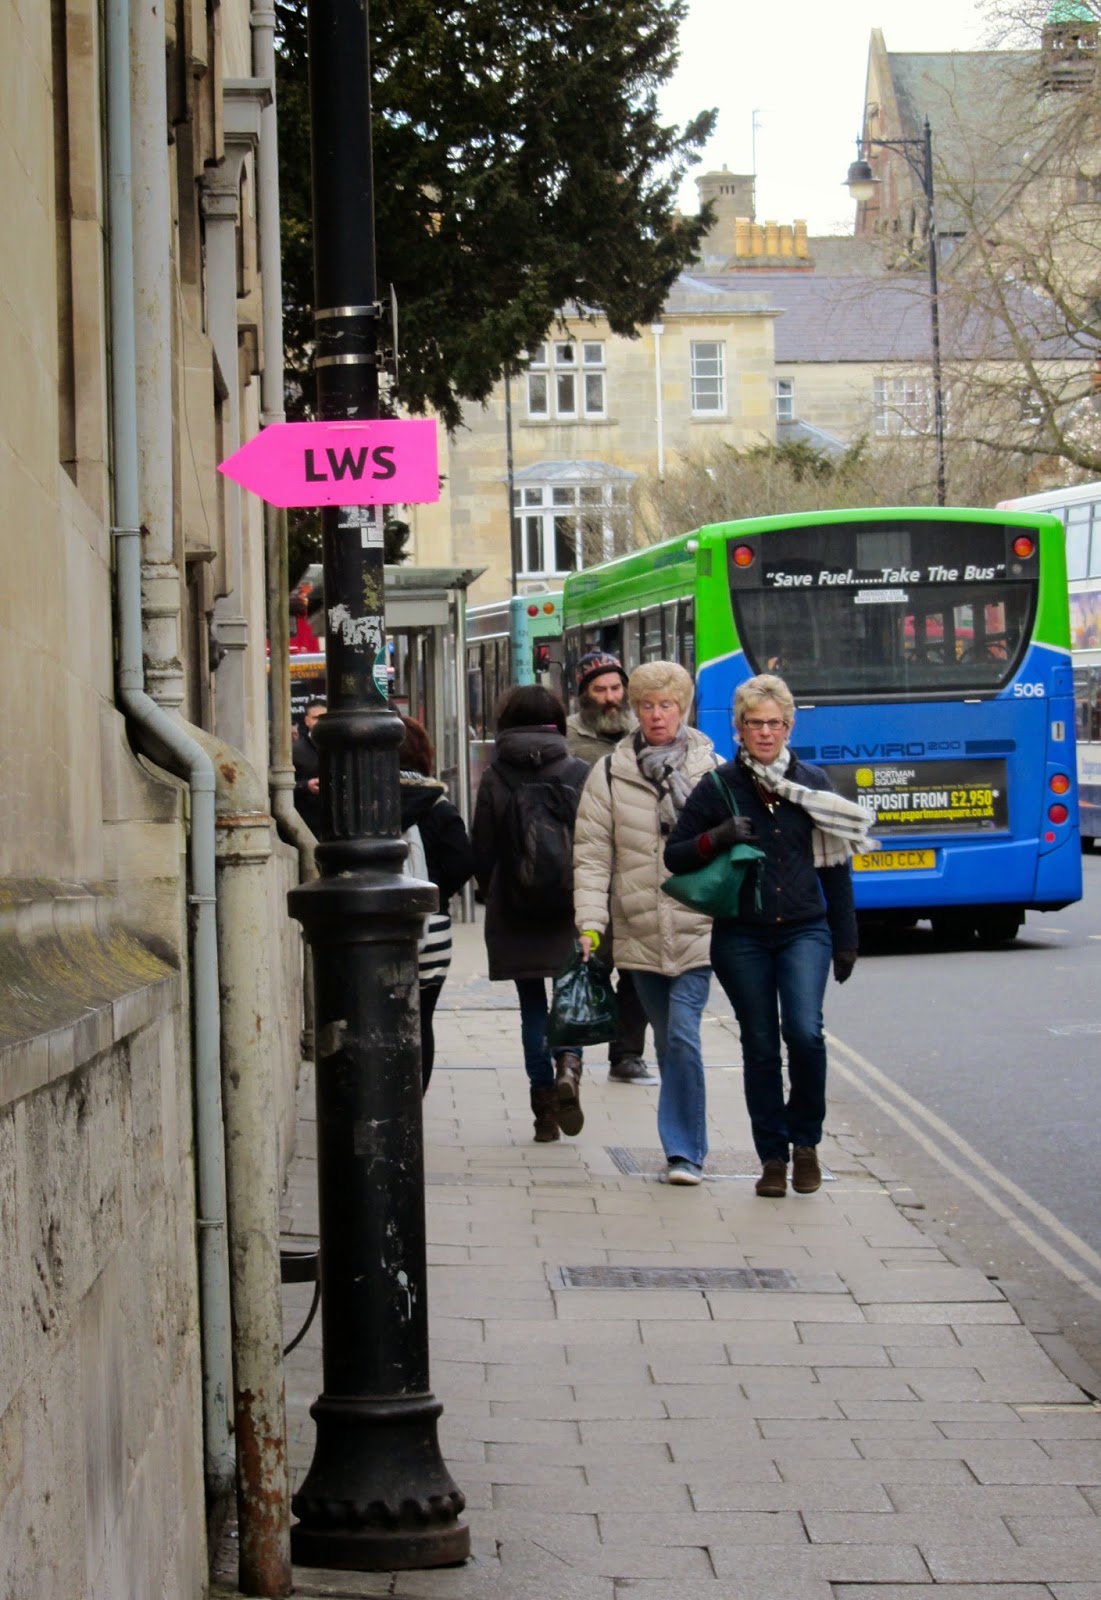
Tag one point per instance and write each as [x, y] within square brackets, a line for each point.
[928, 652]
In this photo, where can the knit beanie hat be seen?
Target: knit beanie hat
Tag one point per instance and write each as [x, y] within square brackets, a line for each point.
[595, 665]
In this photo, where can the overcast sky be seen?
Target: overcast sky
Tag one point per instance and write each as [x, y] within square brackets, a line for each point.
[800, 65]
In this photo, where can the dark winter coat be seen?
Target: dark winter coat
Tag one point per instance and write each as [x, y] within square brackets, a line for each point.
[307, 765]
[447, 851]
[792, 888]
[539, 947]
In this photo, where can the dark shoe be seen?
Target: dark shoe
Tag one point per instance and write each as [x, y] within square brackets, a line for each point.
[567, 1082]
[630, 1069]
[773, 1182]
[806, 1174]
[544, 1101]
[683, 1171]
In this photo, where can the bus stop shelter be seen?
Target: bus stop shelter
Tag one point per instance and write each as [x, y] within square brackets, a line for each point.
[426, 637]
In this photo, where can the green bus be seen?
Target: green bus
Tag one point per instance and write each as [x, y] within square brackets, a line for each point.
[928, 650]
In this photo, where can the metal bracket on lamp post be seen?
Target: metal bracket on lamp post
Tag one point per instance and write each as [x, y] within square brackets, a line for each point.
[918, 155]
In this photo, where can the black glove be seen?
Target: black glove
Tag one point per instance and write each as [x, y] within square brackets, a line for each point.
[734, 830]
[843, 963]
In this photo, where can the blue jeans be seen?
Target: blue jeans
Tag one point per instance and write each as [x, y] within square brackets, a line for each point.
[776, 976]
[534, 1010]
[674, 1007]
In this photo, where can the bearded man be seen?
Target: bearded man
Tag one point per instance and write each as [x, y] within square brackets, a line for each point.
[601, 720]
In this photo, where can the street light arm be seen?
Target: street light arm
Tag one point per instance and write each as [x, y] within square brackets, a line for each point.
[918, 155]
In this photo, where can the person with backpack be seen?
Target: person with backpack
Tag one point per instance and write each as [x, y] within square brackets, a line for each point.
[440, 851]
[630, 806]
[522, 836]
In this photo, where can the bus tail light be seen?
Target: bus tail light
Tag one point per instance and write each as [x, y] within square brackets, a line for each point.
[742, 555]
[1059, 783]
[1057, 813]
[1023, 546]
[533, 611]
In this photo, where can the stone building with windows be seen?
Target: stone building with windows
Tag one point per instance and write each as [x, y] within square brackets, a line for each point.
[149, 974]
[775, 336]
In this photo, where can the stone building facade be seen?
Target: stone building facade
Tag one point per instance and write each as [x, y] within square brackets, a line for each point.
[107, 1454]
[774, 336]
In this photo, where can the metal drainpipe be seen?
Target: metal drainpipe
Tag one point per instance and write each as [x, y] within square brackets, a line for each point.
[167, 743]
[657, 329]
[281, 774]
[244, 843]
[281, 767]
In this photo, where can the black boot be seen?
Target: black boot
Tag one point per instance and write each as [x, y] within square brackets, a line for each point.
[543, 1103]
[567, 1072]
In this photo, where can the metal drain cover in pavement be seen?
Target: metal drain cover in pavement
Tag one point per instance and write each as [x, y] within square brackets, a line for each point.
[720, 1163]
[678, 1278]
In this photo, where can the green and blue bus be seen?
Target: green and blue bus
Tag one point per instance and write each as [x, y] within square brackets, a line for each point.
[509, 642]
[1079, 510]
[928, 652]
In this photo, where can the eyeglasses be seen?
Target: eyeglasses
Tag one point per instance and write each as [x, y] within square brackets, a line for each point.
[759, 724]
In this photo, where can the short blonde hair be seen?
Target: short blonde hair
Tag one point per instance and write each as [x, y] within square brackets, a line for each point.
[755, 691]
[661, 677]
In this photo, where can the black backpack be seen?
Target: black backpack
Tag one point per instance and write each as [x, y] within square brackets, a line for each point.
[535, 860]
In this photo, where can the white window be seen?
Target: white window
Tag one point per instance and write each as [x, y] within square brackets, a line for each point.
[901, 406]
[785, 400]
[708, 378]
[566, 380]
[566, 526]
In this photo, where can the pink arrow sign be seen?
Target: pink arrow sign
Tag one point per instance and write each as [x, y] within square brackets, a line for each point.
[392, 462]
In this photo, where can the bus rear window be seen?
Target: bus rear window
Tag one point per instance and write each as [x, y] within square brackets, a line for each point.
[894, 611]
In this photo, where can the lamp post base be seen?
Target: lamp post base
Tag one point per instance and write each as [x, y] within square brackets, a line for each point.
[378, 1496]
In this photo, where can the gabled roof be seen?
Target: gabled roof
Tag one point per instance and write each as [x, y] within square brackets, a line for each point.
[985, 115]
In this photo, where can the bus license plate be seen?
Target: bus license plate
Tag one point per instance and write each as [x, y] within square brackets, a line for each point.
[894, 860]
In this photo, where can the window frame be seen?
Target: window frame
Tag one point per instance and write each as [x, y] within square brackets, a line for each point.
[697, 377]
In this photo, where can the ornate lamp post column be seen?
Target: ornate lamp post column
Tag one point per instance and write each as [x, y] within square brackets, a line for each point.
[378, 1494]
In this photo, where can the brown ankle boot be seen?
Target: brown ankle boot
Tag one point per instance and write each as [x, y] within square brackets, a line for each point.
[806, 1174]
[567, 1072]
[543, 1103]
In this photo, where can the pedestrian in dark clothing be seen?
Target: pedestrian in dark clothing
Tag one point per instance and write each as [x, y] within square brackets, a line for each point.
[528, 948]
[307, 768]
[448, 862]
[603, 717]
[795, 915]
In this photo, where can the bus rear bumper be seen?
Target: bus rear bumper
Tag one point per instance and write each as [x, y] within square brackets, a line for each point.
[1006, 872]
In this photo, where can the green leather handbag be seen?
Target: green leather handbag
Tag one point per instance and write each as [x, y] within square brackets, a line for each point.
[715, 890]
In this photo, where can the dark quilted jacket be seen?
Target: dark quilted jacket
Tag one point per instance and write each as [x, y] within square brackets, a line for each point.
[792, 888]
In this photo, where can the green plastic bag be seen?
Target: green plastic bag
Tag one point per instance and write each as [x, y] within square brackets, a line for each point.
[716, 889]
[583, 1006]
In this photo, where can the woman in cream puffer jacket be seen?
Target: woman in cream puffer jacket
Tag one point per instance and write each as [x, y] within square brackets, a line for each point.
[629, 806]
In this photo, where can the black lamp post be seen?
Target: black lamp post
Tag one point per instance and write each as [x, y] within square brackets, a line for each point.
[378, 1494]
[861, 182]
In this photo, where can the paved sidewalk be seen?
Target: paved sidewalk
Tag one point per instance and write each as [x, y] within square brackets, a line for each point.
[798, 1399]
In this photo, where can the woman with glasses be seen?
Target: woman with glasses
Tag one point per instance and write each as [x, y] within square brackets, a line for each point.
[795, 917]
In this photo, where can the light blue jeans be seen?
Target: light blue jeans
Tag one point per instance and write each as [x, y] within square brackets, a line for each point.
[674, 1007]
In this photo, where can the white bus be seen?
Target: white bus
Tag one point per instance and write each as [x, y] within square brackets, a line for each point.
[1079, 510]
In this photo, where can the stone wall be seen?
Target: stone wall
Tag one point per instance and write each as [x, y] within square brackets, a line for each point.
[101, 1475]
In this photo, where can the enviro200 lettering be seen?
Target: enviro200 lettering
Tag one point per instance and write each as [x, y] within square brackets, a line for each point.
[889, 752]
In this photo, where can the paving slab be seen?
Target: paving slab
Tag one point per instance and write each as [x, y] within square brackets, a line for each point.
[878, 1424]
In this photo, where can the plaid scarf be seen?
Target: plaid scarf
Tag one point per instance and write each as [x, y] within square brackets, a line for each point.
[840, 827]
[663, 766]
